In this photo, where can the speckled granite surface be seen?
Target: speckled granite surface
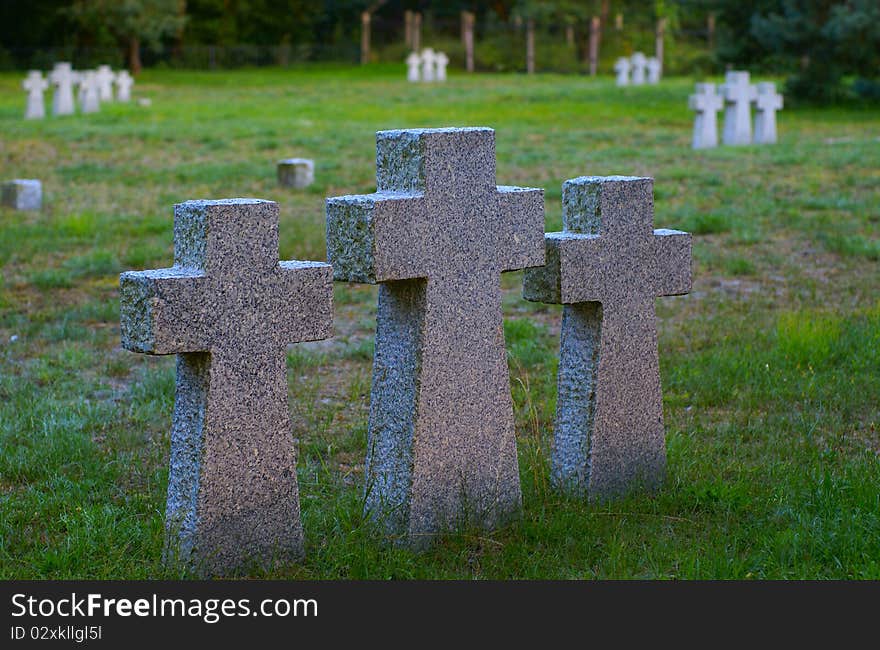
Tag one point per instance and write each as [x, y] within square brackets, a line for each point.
[606, 267]
[437, 235]
[228, 308]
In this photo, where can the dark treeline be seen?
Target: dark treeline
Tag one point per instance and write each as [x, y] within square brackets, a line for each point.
[827, 47]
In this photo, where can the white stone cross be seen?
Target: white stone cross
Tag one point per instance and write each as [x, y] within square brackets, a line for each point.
[428, 62]
[62, 78]
[413, 66]
[639, 62]
[104, 76]
[35, 85]
[124, 82]
[767, 102]
[228, 308]
[607, 268]
[441, 60]
[622, 68]
[706, 102]
[654, 69]
[738, 97]
[89, 92]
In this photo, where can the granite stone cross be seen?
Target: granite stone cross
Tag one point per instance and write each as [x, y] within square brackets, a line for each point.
[104, 79]
[228, 308]
[124, 82]
[639, 62]
[413, 64]
[622, 68]
[767, 102]
[35, 85]
[62, 77]
[738, 97]
[606, 268]
[436, 237]
[706, 102]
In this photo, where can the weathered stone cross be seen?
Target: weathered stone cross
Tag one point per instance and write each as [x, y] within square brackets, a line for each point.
[706, 102]
[35, 85]
[738, 97]
[228, 309]
[606, 268]
[104, 77]
[767, 102]
[62, 77]
[639, 62]
[436, 236]
[124, 82]
[622, 68]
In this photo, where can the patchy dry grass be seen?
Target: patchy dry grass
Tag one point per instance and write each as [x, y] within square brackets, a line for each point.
[771, 367]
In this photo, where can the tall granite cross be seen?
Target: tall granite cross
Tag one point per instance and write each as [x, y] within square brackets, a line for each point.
[89, 92]
[606, 268]
[35, 85]
[62, 77]
[429, 61]
[436, 236]
[738, 97]
[707, 104]
[767, 102]
[228, 309]
[413, 66]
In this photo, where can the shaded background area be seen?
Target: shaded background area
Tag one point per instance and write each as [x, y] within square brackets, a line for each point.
[829, 49]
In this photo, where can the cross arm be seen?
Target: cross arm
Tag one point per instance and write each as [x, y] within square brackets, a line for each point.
[160, 311]
[571, 261]
[520, 231]
[307, 297]
[377, 237]
[673, 255]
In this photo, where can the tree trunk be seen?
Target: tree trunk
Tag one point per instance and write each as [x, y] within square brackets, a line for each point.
[134, 55]
[530, 46]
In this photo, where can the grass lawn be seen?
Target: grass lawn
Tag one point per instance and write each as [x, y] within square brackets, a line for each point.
[770, 367]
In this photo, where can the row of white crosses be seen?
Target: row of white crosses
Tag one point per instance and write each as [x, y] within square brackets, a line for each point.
[95, 86]
[737, 96]
[427, 66]
[637, 69]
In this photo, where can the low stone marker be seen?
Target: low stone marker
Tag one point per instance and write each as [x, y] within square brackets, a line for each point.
[706, 102]
[436, 237]
[654, 69]
[441, 61]
[228, 309]
[606, 268]
[104, 77]
[639, 63]
[296, 172]
[738, 97]
[622, 68]
[22, 194]
[35, 85]
[124, 82]
[62, 78]
[428, 63]
[413, 67]
[767, 102]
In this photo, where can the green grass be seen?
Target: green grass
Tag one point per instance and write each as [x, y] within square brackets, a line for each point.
[770, 367]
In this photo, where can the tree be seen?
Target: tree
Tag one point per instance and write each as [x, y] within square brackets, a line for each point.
[131, 22]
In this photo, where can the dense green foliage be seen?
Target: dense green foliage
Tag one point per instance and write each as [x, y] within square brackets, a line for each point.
[770, 367]
[819, 42]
